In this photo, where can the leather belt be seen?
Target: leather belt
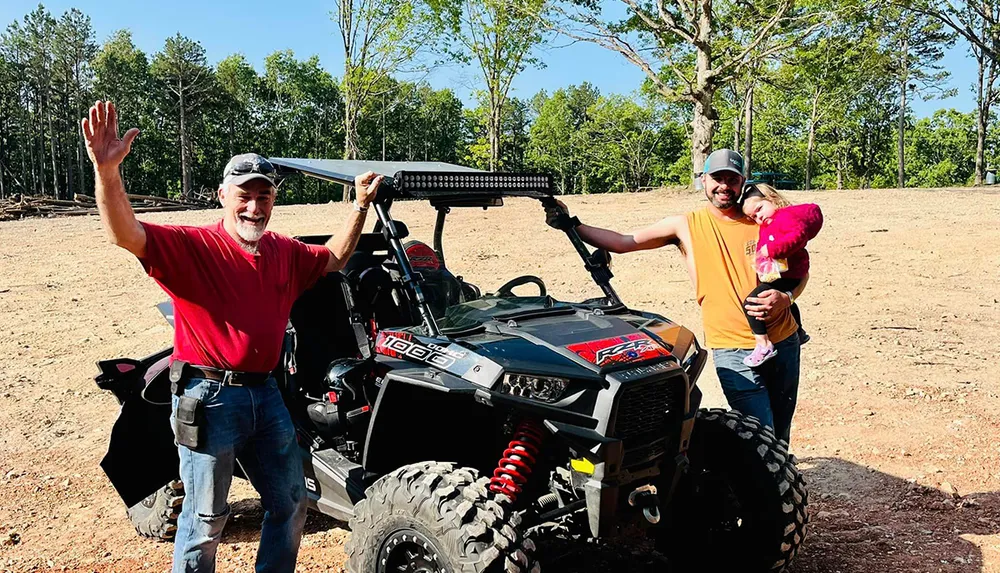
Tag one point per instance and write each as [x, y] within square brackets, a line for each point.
[227, 377]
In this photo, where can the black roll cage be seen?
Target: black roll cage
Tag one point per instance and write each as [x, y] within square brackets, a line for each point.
[445, 186]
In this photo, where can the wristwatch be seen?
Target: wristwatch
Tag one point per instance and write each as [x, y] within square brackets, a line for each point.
[574, 222]
[791, 297]
[359, 208]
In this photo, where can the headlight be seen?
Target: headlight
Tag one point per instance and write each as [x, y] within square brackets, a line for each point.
[690, 353]
[541, 388]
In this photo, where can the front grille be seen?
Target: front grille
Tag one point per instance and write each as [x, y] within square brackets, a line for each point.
[646, 410]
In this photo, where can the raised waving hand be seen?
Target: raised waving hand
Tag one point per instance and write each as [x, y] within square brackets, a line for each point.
[100, 130]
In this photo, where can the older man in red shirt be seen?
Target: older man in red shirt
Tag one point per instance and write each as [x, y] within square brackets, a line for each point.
[233, 284]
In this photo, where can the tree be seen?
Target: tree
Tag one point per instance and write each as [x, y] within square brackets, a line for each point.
[514, 136]
[184, 73]
[940, 149]
[629, 144]
[557, 135]
[240, 87]
[688, 49]
[380, 38]
[978, 22]
[74, 49]
[499, 36]
[916, 42]
[121, 75]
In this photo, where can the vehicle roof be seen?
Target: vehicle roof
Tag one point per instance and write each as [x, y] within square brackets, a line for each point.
[441, 183]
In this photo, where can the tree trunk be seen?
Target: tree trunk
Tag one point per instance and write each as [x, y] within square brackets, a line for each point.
[736, 131]
[53, 143]
[185, 158]
[81, 150]
[40, 180]
[840, 170]
[811, 145]
[748, 133]
[703, 95]
[3, 190]
[980, 120]
[493, 130]
[350, 136]
[901, 165]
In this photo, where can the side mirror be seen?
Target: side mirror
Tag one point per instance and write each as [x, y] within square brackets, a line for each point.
[601, 258]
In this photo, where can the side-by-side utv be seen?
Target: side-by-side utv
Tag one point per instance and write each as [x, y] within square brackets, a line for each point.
[451, 424]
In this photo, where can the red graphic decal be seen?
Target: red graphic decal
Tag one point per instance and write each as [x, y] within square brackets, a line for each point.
[626, 349]
[404, 346]
[386, 342]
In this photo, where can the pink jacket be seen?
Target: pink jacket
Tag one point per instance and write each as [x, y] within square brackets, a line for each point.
[787, 234]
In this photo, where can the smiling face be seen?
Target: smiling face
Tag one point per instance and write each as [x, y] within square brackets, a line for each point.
[759, 209]
[722, 189]
[248, 208]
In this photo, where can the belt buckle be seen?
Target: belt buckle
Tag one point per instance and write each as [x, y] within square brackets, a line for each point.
[229, 379]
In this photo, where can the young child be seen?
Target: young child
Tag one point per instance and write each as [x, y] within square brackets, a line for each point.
[782, 260]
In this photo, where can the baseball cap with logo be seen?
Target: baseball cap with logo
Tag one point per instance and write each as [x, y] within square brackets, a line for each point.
[247, 166]
[724, 160]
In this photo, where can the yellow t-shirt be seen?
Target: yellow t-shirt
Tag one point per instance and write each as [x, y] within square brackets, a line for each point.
[724, 274]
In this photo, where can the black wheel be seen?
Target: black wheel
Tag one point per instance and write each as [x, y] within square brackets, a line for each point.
[742, 504]
[156, 516]
[433, 517]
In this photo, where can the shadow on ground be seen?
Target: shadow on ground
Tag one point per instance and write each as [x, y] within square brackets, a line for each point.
[866, 521]
[862, 521]
[247, 514]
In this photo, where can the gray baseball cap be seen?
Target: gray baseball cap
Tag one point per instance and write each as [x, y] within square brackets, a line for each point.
[724, 160]
[244, 167]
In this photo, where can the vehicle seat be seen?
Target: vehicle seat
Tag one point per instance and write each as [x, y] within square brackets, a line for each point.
[382, 298]
[323, 330]
[442, 288]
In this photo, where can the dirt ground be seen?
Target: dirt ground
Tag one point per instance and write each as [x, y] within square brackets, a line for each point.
[897, 427]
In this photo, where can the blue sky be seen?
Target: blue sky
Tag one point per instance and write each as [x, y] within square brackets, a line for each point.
[257, 28]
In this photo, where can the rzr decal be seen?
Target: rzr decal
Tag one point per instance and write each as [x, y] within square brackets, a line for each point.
[402, 345]
[636, 347]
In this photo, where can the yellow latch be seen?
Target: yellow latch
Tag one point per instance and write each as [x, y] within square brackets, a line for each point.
[583, 466]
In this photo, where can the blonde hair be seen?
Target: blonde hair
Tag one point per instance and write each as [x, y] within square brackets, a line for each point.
[771, 194]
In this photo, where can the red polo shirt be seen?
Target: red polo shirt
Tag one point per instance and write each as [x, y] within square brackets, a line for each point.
[230, 307]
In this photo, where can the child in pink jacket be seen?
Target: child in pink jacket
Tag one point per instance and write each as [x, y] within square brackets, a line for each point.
[782, 260]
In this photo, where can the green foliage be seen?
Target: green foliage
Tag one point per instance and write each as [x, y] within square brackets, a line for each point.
[942, 149]
[829, 106]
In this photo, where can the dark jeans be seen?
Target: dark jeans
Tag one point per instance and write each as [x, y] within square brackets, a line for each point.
[784, 285]
[250, 425]
[768, 392]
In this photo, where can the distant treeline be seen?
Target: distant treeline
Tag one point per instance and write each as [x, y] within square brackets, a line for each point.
[828, 105]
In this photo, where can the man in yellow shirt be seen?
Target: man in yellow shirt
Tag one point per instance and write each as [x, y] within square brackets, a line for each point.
[718, 245]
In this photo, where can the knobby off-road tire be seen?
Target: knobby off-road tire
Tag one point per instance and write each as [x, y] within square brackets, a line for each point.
[743, 503]
[156, 516]
[433, 516]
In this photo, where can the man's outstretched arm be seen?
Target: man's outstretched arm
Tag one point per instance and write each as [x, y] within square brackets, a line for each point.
[106, 151]
[663, 232]
[343, 243]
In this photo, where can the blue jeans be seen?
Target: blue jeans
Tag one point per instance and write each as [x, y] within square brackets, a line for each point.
[250, 425]
[767, 392]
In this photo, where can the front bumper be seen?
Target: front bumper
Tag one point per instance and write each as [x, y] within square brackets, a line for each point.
[621, 465]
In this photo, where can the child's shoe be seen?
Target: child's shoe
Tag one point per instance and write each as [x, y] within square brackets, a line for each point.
[760, 355]
[803, 337]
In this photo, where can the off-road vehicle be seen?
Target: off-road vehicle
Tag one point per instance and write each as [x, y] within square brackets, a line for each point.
[448, 425]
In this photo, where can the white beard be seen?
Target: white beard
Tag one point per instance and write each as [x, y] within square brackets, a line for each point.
[250, 233]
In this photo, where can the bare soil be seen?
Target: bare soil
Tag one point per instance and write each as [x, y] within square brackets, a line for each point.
[896, 431]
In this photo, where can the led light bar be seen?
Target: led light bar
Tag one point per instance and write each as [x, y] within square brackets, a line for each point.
[431, 184]
[441, 182]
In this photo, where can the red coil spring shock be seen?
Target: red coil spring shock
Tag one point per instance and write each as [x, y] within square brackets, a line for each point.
[516, 464]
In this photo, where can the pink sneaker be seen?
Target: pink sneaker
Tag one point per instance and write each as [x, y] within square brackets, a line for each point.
[760, 355]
